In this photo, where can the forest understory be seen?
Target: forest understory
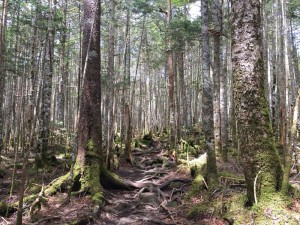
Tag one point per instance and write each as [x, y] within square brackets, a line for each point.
[163, 192]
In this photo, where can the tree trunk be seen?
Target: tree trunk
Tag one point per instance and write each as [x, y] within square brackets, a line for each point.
[89, 157]
[217, 19]
[63, 83]
[171, 78]
[255, 134]
[207, 98]
[2, 68]
[110, 90]
[47, 87]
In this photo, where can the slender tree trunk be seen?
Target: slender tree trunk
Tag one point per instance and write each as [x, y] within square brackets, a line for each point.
[63, 83]
[217, 19]
[285, 140]
[2, 68]
[110, 95]
[171, 78]
[207, 98]
[224, 95]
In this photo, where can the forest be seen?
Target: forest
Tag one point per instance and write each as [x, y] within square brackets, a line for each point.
[144, 112]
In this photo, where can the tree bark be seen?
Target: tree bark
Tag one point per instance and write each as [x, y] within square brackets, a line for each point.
[217, 19]
[207, 98]
[171, 78]
[2, 68]
[255, 134]
[47, 86]
[89, 158]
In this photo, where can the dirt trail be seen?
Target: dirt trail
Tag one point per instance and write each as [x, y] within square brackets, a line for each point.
[158, 199]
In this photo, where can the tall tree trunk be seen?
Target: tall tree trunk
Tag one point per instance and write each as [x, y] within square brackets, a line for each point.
[110, 90]
[255, 134]
[47, 85]
[207, 98]
[217, 19]
[89, 158]
[289, 92]
[2, 68]
[63, 83]
[224, 93]
[171, 77]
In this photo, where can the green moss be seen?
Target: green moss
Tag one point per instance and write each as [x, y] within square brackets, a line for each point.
[97, 198]
[89, 179]
[29, 198]
[272, 209]
[197, 186]
[34, 189]
[198, 209]
[234, 209]
[90, 146]
[57, 185]
[3, 208]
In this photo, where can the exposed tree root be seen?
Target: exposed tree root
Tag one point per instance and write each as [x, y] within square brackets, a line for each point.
[37, 203]
[85, 181]
[44, 220]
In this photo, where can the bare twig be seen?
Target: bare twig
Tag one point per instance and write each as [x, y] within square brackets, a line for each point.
[167, 210]
[45, 219]
[4, 220]
[255, 181]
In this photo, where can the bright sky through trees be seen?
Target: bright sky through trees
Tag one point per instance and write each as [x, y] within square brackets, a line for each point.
[194, 9]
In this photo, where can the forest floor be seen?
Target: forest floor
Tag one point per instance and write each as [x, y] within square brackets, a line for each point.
[160, 196]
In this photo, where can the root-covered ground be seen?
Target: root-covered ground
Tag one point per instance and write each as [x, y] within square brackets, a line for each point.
[158, 196]
[164, 193]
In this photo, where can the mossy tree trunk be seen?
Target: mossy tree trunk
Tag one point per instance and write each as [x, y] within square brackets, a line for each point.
[89, 158]
[260, 159]
[290, 147]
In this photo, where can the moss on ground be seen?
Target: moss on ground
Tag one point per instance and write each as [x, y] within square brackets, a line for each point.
[197, 186]
[271, 209]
